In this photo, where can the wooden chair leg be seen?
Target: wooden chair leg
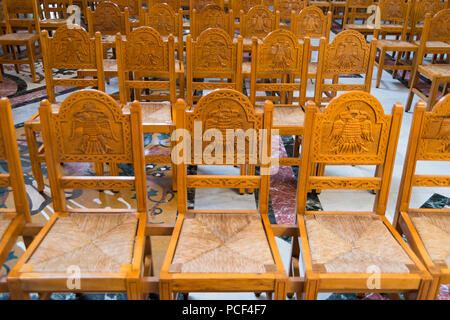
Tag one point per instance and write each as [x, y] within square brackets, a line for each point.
[165, 293]
[134, 291]
[99, 170]
[280, 289]
[31, 58]
[251, 172]
[16, 291]
[434, 288]
[297, 143]
[243, 172]
[425, 289]
[311, 289]
[380, 67]
[433, 93]
[415, 79]
[34, 161]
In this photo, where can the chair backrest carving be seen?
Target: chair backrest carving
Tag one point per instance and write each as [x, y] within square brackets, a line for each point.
[108, 19]
[174, 4]
[91, 127]
[311, 22]
[259, 21]
[213, 55]
[353, 130]
[348, 53]
[211, 16]
[72, 48]
[287, 6]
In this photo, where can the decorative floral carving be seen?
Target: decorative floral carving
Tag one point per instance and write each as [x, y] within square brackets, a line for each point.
[214, 50]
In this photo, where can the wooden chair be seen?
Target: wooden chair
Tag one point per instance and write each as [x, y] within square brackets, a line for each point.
[167, 21]
[285, 7]
[21, 17]
[213, 55]
[54, 13]
[211, 16]
[104, 247]
[108, 19]
[10, 40]
[313, 23]
[69, 48]
[357, 10]
[135, 8]
[435, 39]
[280, 66]
[347, 54]
[147, 62]
[13, 220]
[400, 48]
[425, 229]
[258, 22]
[337, 7]
[223, 250]
[420, 9]
[353, 251]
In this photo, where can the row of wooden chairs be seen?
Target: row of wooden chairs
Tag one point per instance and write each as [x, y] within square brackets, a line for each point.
[146, 61]
[341, 251]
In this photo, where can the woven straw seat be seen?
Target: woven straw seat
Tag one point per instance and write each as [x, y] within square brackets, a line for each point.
[431, 70]
[359, 27]
[93, 242]
[434, 231]
[18, 37]
[353, 243]
[222, 243]
[283, 116]
[111, 39]
[383, 43]
[154, 112]
[4, 223]
[435, 44]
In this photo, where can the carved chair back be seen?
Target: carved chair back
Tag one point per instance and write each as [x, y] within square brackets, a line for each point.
[108, 19]
[357, 10]
[213, 55]
[394, 13]
[174, 4]
[211, 16]
[353, 130]
[347, 54]
[9, 151]
[244, 5]
[167, 21]
[282, 58]
[200, 4]
[91, 127]
[419, 10]
[72, 48]
[134, 7]
[436, 28]
[17, 12]
[142, 56]
[216, 114]
[287, 6]
[429, 140]
[258, 22]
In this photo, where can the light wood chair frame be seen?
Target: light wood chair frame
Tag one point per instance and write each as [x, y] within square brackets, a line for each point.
[417, 151]
[20, 214]
[175, 282]
[22, 279]
[316, 281]
[95, 61]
